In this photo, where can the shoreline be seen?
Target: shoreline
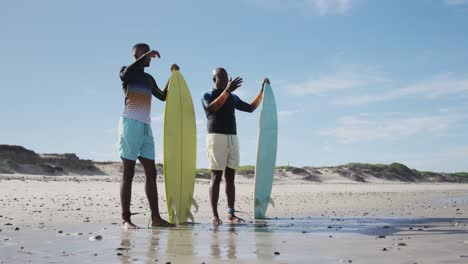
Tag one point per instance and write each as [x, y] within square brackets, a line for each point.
[311, 222]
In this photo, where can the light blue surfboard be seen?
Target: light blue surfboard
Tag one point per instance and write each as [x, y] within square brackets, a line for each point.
[266, 153]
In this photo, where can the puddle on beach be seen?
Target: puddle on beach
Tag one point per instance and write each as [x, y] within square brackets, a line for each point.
[451, 200]
[197, 243]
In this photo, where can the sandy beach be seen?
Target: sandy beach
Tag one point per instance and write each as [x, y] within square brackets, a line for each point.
[77, 220]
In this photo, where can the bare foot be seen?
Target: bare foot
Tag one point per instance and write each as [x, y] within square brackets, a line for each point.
[161, 223]
[216, 221]
[129, 225]
[234, 219]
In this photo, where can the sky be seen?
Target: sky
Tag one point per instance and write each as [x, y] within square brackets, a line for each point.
[354, 80]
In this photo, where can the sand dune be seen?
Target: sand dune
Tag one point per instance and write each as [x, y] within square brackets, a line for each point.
[17, 160]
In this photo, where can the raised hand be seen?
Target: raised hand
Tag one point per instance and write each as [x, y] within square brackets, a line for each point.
[266, 80]
[234, 84]
[175, 67]
[153, 54]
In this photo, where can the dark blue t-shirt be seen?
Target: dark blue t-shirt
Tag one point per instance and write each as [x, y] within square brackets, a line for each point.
[224, 120]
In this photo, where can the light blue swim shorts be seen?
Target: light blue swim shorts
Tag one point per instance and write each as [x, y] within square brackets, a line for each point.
[135, 139]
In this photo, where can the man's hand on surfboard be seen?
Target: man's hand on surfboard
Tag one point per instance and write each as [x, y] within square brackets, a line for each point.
[175, 67]
[153, 54]
[266, 80]
[234, 84]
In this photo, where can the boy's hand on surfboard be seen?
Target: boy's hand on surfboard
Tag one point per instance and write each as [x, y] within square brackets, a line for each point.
[266, 80]
[153, 54]
[234, 84]
[175, 67]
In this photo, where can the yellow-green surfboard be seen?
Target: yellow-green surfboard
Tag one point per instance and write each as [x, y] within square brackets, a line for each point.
[180, 150]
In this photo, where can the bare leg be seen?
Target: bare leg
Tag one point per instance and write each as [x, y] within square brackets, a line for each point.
[229, 175]
[214, 194]
[151, 190]
[126, 192]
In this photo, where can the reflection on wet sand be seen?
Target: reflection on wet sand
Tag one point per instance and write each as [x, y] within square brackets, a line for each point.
[299, 240]
[180, 243]
[263, 242]
[215, 249]
[125, 248]
[153, 245]
[217, 246]
[231, 245]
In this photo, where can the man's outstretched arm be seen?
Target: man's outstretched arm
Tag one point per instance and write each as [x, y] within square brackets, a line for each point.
[245, 107]
[215, 105]
[127, 71]
[161, 95]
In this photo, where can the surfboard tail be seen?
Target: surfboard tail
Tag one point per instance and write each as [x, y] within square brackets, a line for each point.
[190, 216]
[259, 209]
[271, 201]
[174, 218]
[195, 205]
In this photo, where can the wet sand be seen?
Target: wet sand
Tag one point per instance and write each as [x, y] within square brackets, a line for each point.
[310, 223]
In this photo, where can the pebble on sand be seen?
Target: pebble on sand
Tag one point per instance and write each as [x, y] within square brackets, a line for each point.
[401, 244]
[121, 249]
[95, 238]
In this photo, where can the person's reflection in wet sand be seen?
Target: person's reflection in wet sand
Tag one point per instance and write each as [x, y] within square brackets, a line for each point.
[215, 249]
[153, 245]
[125, 248]
[180, 244]
[263, 242]
[231, 246]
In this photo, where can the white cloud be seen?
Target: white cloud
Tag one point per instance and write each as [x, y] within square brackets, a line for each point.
[445, 160]
[104, 156]
[201, 129]
[318, 7]
[352, 129]
[287, 113]
[340, 80]
[432, 88]
[456, 2]
[324, 7]
[158, 118]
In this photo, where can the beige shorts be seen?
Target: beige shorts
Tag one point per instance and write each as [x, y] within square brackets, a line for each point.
[223, 151]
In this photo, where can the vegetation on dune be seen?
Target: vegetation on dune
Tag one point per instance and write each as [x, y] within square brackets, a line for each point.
[248, 169]
[395, 167]
[401, 169]
[201, 171]
[429, 174]
[366, 165]
[284, 168]
[461, 174]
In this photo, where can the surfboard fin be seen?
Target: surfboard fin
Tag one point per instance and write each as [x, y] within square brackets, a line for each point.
[190, 216]
[175, 217]
[270, 201]
[195, 205]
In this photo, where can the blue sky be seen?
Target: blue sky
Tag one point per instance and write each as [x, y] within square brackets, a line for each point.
[355, 80]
